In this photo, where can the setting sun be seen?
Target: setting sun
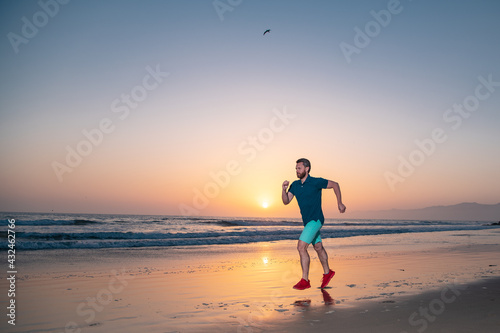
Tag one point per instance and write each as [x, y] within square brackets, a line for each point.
[265, 204]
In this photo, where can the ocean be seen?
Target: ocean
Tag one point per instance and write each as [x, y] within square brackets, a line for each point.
[38, 231]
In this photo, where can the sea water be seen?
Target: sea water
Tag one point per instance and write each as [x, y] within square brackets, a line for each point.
[42, 231]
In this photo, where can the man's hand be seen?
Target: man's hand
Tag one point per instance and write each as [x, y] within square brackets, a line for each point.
[285, 185]
[286, 196]
[341, 207]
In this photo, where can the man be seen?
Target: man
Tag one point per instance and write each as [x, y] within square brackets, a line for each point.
[308, 190]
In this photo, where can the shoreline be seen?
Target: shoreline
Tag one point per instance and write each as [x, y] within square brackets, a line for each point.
[247, 287]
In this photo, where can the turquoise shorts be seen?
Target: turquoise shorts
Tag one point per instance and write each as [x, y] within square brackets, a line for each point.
[310, 234]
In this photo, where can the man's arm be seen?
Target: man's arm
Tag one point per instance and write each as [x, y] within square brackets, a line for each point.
[336, 190]
[286, 196]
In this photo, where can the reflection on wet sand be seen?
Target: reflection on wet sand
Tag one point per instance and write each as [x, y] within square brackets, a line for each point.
[327, 300]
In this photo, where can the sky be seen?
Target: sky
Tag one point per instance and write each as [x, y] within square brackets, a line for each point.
[186, 108]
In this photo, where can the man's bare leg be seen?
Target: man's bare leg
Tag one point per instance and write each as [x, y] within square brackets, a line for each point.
[323, 256]
[304, 259]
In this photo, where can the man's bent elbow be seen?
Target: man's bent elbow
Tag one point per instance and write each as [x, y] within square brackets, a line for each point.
[332, 184]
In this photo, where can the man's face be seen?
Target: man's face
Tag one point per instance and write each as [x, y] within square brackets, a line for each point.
[301, 170]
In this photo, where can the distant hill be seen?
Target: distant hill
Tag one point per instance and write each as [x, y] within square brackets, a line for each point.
[469, 211]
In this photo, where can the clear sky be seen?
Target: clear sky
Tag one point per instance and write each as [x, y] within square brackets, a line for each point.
[185, 107]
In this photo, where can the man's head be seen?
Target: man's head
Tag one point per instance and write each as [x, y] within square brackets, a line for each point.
[303, 167]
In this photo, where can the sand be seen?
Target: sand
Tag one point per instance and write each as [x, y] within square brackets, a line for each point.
[421, 282]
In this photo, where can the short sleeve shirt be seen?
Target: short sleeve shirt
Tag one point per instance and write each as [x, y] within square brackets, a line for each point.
[308, 196]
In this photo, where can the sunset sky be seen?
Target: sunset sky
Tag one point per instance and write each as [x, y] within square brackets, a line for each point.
[185, 107]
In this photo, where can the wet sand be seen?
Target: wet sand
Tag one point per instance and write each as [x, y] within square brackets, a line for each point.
[432, 282]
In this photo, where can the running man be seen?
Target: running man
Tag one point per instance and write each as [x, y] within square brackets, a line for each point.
[308, 189]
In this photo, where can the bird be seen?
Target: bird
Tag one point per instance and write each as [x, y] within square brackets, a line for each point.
[265, 32]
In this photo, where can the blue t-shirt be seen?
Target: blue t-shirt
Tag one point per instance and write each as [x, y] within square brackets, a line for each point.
[308, 196]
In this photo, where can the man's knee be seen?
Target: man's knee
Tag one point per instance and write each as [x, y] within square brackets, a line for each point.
[318, 246]
[302, 246]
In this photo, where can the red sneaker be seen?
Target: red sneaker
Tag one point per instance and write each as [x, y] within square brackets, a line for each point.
[327, 278]
[303, 284]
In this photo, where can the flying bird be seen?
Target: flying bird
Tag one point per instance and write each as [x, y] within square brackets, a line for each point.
[265, 32]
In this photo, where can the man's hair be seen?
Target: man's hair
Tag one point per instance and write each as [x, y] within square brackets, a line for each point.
[305, 161]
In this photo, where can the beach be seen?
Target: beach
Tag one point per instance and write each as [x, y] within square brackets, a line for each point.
[414, 282]
[161, 160]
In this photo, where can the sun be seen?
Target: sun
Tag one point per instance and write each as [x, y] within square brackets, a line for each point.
[265, 204]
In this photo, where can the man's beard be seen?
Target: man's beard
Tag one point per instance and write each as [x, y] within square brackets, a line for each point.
[301, 175]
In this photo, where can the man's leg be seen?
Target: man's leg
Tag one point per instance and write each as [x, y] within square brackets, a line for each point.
[304, 258]
[323, 256]
[308, 234]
